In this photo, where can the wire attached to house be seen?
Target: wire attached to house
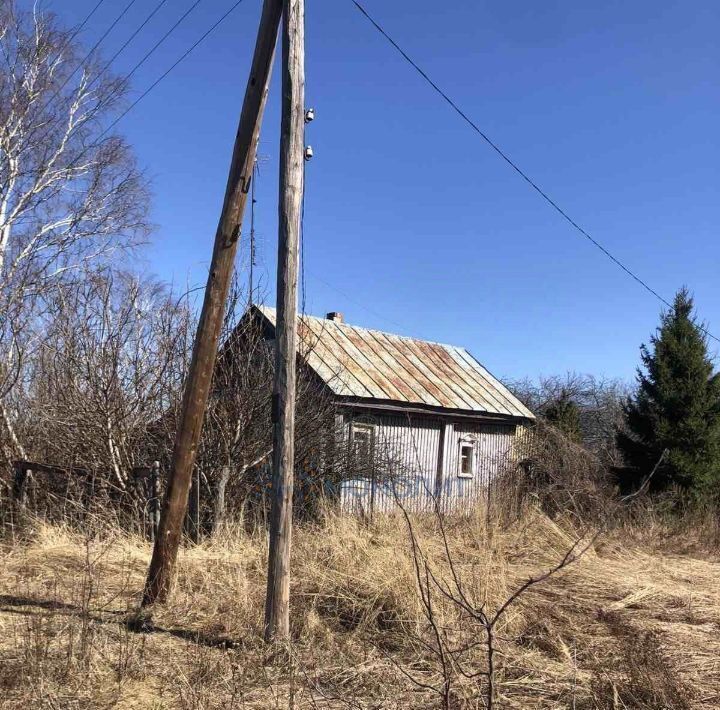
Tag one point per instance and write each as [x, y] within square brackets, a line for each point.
[515, 166]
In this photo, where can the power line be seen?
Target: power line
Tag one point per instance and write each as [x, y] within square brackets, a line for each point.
[130, 39]
[154, 48]
[185, 54]
[149, 54]
[57, 92]
[107, 65]
[87, 57]
[514, 165]
[302, 247]
[302, 236]
[172, 66]
[356, 301]
[253, 202]
[82, 24]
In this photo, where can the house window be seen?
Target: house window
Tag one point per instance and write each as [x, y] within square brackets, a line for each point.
[467, 460]
[361, 443]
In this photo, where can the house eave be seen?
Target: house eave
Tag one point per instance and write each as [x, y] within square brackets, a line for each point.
[428, 410]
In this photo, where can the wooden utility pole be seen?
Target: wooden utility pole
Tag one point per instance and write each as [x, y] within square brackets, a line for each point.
[277, 603]
[202, 365]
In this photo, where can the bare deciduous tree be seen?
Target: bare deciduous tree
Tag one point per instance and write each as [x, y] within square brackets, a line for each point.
[237, 438]
[70, 190]
[465, 648]
[108, 369]
[598, 399]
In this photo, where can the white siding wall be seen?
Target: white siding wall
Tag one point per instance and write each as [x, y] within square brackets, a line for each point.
[410, 450]
[493, 451]
[407, 451]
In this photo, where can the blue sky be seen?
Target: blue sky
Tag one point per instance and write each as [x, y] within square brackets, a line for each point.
[412, 223]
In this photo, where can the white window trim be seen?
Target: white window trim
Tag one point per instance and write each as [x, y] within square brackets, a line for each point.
[466, 442]
[362, 426]
[365, 427]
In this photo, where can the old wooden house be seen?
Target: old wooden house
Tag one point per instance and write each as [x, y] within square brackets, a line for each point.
[420, 420]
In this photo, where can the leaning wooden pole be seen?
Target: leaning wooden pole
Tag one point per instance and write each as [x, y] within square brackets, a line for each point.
[277, 603]
[197, 386]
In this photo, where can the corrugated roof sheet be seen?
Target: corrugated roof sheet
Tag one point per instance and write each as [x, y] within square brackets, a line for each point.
[370, 364]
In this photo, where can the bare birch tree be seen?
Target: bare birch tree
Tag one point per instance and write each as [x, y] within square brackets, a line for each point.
[107, 372]
[70, 190]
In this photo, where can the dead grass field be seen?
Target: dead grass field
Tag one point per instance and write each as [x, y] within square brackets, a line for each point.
[635, 623]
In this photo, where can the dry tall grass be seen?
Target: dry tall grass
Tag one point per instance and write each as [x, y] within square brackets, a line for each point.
[627, 626]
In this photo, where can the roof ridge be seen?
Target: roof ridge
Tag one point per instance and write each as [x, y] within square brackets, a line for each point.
[370, 330]
[450, 375]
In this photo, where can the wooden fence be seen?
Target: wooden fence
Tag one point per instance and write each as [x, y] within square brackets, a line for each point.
[79, 496]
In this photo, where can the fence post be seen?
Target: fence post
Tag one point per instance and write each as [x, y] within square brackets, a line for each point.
[154, 499]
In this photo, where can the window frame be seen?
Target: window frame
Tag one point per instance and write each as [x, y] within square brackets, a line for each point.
[466, 443]
[364, 427]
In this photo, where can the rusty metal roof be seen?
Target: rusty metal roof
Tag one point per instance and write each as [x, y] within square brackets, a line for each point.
[369, 364]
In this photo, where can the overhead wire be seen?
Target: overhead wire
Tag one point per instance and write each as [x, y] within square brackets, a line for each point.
[130, 39]
[251, 266]
[302, 233]
[94, 48]
[153, 49]
[180, 59]
[82, 24]
[303, 289]
[66, 44]
[157, 45]
[152, 86]
[500, 152]
[185, 54]
[357, 302]
[30, 138]
[302, 246]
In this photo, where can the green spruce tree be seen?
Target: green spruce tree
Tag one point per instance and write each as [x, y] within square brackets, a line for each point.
[676, 408]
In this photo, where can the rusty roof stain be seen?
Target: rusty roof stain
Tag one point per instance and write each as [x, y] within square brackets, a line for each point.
[370, 364]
